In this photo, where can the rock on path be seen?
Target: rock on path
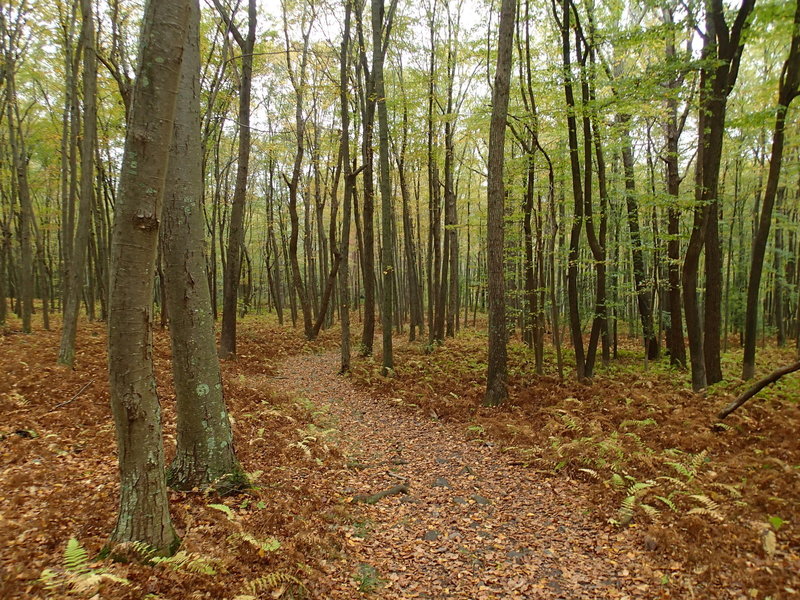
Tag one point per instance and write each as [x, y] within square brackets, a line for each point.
[470, 526]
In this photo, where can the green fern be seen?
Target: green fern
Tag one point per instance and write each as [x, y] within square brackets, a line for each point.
[626, 510]
[637, 487]
[181, 561]
[698, 460]
[186, 561]
[268, 545]
[617, 482]
[709, 508]
[76, 573]
[731, 490]
[682, 469]
[271, 581]
[569, 421]
[668, 502]
[76, 558]
[637, 423]
[650, 511]
[679, 483]
[223, 508]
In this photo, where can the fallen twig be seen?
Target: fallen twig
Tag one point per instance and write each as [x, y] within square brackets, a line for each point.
[757, 387]
[75, 397]
[397, 489]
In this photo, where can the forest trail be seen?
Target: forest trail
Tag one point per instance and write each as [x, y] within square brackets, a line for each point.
[470, 525]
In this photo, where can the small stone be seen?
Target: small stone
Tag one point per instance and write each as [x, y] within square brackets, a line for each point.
[466, 470]
[442, 461]
[441, 482]
[650, 543]
[431, 535]
[459, 500]
[518, 555]
[409, 500]
[479, 499]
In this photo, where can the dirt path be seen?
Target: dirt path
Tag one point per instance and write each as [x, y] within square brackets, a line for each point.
[470, 525]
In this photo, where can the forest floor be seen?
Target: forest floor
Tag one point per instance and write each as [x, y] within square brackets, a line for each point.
[622, 488]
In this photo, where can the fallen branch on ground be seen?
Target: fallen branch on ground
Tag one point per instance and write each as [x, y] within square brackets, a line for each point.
[75, 397]
[397, 489]
[757, 387]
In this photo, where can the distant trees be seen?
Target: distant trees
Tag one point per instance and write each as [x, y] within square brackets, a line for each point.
[788, 90]
[299, 134]
[235, 248]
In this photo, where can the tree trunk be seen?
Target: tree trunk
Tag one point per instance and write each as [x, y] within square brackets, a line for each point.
[230, 284]
[497, 375]
[788, 90]
[144, 508]
[205, 455]
[577, 192]
[66, 353]
[637, 253]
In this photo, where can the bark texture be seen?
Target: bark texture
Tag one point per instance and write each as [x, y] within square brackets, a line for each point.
[143, 509]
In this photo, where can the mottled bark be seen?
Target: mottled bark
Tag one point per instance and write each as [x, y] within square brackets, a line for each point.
[143, 509]
[205, 455]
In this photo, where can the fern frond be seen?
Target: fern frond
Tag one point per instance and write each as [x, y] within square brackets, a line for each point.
[650, 511]
[709, 508]
[225, 509]
[636, 488]
[637, 423]
[669, 503]
[186, 561]
[698, 460]
[570, 422]
[679, 483]
[617, 482]
[705, 511]
[273, 580]
[626, 510]
[682, 469]
[732, 490]
[76, 558]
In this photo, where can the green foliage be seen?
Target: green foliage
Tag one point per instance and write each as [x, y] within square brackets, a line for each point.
[180, 561]
[76, 573]
[270, 544]
[225, 509]
[637, 423]
[273, 580]
[367, 578]
[76, 558]
[776, 523]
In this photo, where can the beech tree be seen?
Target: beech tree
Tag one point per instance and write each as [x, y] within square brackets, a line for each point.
[143, 507]
[205, 455]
